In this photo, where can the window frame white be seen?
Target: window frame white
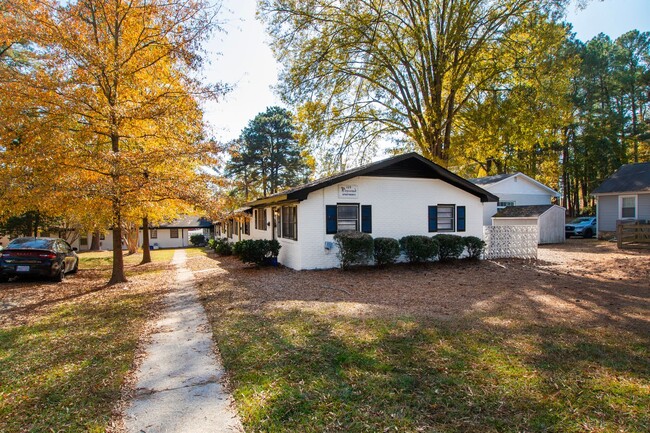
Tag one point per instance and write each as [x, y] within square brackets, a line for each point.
[452, 218]
[357, 222]
[285, 224]
[621, 199]
[260, 219]
[502, 206]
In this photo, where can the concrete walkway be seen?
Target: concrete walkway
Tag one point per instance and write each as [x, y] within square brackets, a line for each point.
[178, 387]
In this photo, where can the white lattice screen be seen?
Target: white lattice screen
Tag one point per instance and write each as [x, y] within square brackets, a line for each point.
[510, 242]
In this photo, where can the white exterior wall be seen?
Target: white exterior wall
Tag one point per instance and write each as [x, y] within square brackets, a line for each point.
[399, 208]
[517, 189]
[164, 239]
[550, 225]
[489, 209]
[520, 190]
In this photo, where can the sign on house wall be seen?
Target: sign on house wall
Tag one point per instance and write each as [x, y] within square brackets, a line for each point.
[348, 191]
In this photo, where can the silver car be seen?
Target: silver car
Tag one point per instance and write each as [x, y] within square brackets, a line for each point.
[581, 226]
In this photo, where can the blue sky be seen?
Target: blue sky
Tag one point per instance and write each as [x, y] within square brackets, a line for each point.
[246, 61]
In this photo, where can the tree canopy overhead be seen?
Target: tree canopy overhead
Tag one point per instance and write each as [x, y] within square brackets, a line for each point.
[107, 109]
[368, 68]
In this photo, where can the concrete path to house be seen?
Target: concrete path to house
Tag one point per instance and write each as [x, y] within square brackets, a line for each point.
[178, 387]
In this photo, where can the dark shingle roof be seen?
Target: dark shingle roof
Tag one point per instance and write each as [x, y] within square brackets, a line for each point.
[489, 180]
[406, 165]
[628, 178]
[188, 222]
[529, 211]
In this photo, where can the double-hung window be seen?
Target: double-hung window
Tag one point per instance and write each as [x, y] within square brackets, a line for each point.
[347, 218]
[260, 219]
[173, 233]
[290, 222]
[447, 218]
[154, 234]
[628, 207]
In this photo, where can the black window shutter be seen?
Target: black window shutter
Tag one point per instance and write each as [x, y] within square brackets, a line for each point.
[330, 219]
[433, 218]
[366, 218]
[460, 218]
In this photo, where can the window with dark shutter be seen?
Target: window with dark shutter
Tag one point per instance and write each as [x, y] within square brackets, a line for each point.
[366, 219]
[445, 217]
[433, 218]
[347, 218]
[330, 219]
[460, 218]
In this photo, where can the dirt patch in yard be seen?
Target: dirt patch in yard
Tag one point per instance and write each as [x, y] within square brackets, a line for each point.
[583, 281]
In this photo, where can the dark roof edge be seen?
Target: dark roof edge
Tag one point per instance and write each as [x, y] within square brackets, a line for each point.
[451, 178]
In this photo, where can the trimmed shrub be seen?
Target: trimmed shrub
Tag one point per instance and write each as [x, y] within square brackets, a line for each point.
[451, 246]
[257, 251]
[222, 247]
[197, 240]
[419, 248]
[475, 247]
[386, 251]
[212, 243]
[355, 248]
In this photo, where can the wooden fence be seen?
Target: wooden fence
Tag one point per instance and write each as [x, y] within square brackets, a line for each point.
[633, 235]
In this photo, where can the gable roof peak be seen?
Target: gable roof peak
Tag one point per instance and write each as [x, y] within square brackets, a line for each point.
[406, 165]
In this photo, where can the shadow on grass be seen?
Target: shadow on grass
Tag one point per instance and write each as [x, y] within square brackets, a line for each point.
[64, 371]
[566, 354]
[297, 371]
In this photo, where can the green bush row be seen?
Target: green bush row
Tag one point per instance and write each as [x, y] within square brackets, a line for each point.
[221, 246]
[257, 251]
[355, 248]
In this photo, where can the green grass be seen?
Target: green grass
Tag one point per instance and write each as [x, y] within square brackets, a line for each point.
[62, 371]
[295, 371]
[104, 259]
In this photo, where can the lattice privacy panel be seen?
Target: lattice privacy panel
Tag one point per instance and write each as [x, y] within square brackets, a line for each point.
[510, 242]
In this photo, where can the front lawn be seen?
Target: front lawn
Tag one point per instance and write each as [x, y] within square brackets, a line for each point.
[66, 349]
[447, 348]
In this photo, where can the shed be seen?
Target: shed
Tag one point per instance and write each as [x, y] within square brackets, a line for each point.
[548, 218]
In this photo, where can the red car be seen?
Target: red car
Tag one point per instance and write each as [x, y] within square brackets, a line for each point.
[46, 257]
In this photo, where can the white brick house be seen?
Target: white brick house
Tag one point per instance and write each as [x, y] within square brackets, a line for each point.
[395, 197]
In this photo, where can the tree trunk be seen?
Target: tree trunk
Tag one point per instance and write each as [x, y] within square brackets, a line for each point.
[94, 244]
[118, 260]
[146, 253]
[117, 275]
[37, 221]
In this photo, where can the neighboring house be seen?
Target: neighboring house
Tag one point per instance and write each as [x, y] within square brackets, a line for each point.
[514, 189]
[548, 218]
[395, 197]
[175, 234]
[624, 196]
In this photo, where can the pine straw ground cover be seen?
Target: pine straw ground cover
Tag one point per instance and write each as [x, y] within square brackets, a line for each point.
[560, 344]
[66, 349]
